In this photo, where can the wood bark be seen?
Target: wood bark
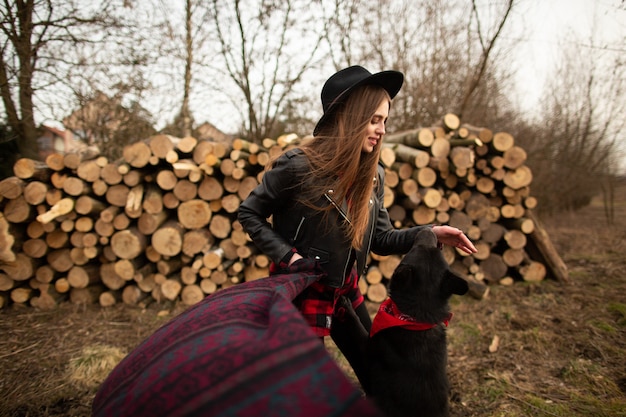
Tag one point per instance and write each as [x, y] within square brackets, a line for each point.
[168, 239]
[128, 244]
[6, 241]
[160, 223]
[48, 298]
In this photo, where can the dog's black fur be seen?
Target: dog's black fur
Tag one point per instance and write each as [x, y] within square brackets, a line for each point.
[406, 369]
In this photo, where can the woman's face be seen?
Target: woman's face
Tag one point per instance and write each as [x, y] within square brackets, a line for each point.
[376, 127]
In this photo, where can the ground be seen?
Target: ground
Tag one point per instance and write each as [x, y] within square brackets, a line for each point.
[558, 348]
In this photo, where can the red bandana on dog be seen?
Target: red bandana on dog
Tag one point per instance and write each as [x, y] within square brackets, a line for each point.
[390, 316]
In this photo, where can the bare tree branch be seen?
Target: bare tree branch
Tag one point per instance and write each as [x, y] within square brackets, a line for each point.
[487, 47]
[41, 49]
[263, 57]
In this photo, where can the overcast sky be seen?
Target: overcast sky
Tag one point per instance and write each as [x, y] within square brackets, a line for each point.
[547, 24]
[541, 27]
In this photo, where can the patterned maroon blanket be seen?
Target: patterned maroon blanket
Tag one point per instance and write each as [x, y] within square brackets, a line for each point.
[243, 351]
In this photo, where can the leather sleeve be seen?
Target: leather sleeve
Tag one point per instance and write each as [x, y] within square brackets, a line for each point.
[388, 240]
[277, 189]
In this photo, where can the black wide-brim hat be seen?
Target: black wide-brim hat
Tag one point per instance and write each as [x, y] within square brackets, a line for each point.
[339, 86]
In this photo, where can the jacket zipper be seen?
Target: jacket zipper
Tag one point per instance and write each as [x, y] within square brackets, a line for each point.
[369, 242]
[295, 237]
[343, 214]
[345, 270]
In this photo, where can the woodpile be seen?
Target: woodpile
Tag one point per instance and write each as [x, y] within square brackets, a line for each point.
[161, 223]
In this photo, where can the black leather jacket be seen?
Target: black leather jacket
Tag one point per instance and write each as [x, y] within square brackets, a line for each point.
[297, 226]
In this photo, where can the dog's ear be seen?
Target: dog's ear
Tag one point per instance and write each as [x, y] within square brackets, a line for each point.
[403, 270]
[454, 284]
[401, 280]
[426, 237]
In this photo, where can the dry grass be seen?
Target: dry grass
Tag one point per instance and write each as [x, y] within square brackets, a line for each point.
[53, 361]
[561, 350]
[93, 365]
[562, 346]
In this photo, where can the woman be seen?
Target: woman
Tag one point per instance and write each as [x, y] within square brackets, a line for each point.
[326, 200]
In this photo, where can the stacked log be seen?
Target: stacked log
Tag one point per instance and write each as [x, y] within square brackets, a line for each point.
[477, 180]
[161, 223]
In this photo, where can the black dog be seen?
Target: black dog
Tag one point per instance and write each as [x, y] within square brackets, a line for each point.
[405, 352]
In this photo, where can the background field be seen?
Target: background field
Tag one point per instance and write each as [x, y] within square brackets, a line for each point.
[560, 350]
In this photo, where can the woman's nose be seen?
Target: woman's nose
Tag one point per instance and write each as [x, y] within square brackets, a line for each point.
[380, 129]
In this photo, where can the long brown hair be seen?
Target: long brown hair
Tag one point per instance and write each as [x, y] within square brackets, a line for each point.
[338, 163]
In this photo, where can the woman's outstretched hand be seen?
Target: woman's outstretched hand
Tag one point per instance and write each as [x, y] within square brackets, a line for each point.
[452, 236]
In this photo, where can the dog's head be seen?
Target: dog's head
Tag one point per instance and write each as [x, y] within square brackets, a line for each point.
[422, 283]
